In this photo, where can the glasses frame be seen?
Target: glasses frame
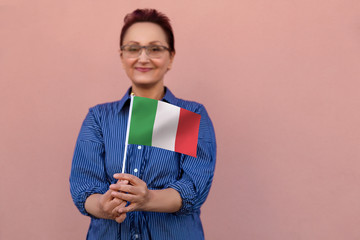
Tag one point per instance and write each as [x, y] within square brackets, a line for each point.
[146, 49]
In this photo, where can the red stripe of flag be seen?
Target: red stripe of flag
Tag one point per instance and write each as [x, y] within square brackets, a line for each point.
[187, 132]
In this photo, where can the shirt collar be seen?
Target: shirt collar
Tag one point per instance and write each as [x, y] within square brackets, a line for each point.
[168, 97]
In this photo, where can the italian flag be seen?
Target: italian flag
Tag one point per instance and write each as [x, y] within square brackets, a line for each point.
[163, 125]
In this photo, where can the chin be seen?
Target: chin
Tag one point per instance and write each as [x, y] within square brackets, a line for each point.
[145, 84]
[145, 81]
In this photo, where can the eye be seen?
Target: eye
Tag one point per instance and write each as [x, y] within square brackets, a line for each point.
[133, 48]
[155, 48]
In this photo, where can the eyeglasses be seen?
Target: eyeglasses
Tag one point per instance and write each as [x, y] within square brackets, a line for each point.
[152, 51]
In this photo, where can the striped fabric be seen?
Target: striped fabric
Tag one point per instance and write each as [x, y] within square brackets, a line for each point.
[98, 155]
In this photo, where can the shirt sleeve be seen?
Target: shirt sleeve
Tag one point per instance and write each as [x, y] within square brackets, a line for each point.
[88, 171]
[197, 173]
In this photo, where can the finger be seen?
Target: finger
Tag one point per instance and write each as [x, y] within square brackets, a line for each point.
[108, 194]
[129, 177]
[125, 196]
[115, 212]
[108, 205]
[132, 207]
[122, 204]
[123, 182]
[115, 186]
[114, 205]
[115, 202]
[106, 197]
[120, 218]
[123, 188]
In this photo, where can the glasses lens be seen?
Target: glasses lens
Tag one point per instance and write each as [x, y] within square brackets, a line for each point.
[152, 51]
[155, 51]
[132, 51]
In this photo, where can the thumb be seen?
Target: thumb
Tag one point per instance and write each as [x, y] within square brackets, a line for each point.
[107, 195]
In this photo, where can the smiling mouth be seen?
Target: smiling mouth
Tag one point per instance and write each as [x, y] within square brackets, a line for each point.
[140, 69]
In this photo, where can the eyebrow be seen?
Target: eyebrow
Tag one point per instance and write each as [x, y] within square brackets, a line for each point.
[153, 42]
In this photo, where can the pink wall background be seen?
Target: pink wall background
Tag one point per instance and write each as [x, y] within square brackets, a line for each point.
[279, 78]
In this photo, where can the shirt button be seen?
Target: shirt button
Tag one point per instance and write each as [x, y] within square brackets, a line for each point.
[139, 147]
[136, 236]
[136, 170]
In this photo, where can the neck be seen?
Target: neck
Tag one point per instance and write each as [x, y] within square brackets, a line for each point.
[156, 92]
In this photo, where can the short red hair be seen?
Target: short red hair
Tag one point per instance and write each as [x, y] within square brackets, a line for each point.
[153, 16]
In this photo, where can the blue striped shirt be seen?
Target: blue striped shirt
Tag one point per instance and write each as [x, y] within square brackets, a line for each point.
[99, 153]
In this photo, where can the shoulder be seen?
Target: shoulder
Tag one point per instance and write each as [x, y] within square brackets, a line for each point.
[104, 111]
[105, 108]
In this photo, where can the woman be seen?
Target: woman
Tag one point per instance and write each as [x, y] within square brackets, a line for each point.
[161, 192]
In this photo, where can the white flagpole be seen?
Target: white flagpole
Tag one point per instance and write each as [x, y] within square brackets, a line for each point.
[127, 132]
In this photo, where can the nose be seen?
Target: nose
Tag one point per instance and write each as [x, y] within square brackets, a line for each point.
[143, 57]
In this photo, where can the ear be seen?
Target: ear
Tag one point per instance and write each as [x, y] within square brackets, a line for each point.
[122, 59]
[172, 56]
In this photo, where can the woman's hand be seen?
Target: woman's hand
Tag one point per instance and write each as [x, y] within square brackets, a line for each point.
[107, 203]
[141, 198]
[136, 192]
[103, 205]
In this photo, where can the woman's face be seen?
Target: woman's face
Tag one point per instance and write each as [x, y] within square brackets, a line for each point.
[144, 71]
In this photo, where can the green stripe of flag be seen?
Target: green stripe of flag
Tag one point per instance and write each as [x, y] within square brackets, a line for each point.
[142, 121]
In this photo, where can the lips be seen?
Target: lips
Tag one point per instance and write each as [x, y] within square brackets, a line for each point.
[142, 69]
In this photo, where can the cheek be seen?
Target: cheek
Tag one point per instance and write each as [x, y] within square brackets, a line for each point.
[127, 64]
[162, 64]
